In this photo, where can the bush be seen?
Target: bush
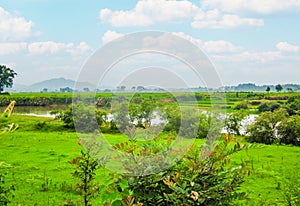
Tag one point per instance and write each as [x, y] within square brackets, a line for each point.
[85, 118]
[240, 106]
[272, 106]
[194, 181]
[193, 124]
[293, 106]
[265, 127]
[289, 131]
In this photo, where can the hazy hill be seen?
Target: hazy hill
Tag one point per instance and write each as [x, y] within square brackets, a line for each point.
[52, 85]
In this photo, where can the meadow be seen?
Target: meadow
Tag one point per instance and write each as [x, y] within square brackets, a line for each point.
[36, 158]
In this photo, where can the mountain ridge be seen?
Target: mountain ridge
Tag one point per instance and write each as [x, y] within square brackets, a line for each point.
[52, 85]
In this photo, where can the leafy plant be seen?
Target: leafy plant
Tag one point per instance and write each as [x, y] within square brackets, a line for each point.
[194, 181]
[85, 168]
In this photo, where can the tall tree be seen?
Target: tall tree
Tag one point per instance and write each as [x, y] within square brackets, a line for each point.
[278, 87]
[268, 89]
[6, 77]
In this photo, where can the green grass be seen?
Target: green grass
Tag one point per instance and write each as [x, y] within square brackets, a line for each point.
[271, 166]
[39, 151]
[35, 157]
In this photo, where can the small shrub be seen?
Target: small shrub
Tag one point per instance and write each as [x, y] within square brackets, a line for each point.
[84, 170]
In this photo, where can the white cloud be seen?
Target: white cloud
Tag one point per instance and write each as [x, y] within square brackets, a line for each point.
[257, 6]
[250, 57]
[148, 12]
[110, 36]
[82, 48]
[219, 46]
[216, 20]
[286, 47]
[14, 28]
[12, 48]
[50, 47]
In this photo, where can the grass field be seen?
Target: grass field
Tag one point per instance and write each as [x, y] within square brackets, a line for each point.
[204, 98]
[36, 158]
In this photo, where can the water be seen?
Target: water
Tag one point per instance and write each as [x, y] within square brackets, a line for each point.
[35, 111]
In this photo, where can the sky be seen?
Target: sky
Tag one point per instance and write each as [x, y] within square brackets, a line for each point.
[247, 41]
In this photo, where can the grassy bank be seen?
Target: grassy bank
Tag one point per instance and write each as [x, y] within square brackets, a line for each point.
[232, 99]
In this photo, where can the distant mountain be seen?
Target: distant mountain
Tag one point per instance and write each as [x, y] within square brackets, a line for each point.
[52, 85]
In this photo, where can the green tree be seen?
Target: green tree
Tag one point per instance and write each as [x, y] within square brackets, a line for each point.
[233, 122]
[278, 87]
[289, 131]
[6, 77]
[268, 89]
[121, 118]
[264, 130]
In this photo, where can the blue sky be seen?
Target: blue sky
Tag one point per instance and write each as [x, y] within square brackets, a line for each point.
[247, 40]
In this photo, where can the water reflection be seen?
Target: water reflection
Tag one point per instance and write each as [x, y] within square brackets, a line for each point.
[36, 111]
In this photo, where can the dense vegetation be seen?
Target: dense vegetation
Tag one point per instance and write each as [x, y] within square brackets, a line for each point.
[42, 163]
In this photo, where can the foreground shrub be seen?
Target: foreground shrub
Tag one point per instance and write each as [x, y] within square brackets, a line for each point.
[194, 181]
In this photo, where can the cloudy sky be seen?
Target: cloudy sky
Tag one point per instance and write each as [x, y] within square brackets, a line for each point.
[247, 40]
